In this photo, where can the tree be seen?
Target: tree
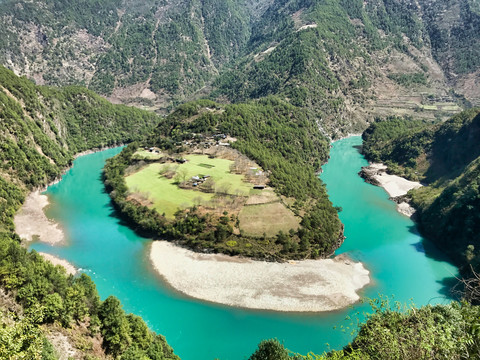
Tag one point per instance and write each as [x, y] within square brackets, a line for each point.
[115, 327]
[181, 175]
[139, 332]
[270, 350]
[53, 307]
[209, 185]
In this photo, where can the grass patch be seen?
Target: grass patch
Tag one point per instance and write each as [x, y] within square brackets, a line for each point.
[441, 106]
[219, 171]
[167, 197]
[451, 108]
[145, 154]
[255, 220]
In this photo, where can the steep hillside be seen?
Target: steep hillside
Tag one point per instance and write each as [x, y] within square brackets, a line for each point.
[454, 30]
[347, 61]
[152, 53]
[40, 130]
[446, 157]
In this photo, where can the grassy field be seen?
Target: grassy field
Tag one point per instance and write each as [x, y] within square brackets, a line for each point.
[255, 220]
[167, 197]
[145, 154]
[442, 106]
[219, 170]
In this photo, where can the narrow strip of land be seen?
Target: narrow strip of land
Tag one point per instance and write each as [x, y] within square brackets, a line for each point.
[301, 286]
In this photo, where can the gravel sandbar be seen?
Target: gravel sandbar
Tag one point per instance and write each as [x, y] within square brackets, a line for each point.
[31, 223]
[296, 286]
[394, 185]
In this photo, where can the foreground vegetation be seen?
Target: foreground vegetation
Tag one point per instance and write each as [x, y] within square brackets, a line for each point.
[41, 129]
[446, 157]
[283, 140]
[398, 333]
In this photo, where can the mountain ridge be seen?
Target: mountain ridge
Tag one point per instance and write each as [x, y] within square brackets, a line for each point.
[162, 53]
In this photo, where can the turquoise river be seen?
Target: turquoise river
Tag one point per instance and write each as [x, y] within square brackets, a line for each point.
[400, 262]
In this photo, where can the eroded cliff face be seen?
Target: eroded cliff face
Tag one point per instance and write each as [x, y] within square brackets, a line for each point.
[347, 61]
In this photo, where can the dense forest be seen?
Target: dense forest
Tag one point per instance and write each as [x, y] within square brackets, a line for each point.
[283, 140]
[445, 157]
[41, 130]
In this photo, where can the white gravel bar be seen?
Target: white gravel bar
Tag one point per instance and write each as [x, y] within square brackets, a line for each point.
[296, 286]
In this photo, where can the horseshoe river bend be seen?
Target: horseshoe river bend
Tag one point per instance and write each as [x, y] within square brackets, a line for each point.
[401, 264]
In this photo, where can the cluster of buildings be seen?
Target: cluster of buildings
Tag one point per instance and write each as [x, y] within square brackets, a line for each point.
[199, 180]
[207, 141]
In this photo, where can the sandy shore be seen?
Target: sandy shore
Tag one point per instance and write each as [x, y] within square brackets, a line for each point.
[394, 185]
[71, 270]
[94, 150]
[301, 286]
[32, 224]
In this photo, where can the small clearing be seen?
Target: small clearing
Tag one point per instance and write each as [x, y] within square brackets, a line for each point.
[148, 155]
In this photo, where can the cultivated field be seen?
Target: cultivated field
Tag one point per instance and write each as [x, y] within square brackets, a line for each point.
[209, 182]
[219, 170]
[268, 219]
[167, 197]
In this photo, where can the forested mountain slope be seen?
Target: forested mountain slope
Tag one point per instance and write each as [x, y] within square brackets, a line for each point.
[348, 61]
[453, 28]
[147, 52]
[41, 129]
[446, 157]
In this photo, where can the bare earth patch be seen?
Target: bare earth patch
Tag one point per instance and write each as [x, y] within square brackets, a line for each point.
[302, 286]
[31, 222]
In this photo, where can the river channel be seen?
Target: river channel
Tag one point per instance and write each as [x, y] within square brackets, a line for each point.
[402, 265]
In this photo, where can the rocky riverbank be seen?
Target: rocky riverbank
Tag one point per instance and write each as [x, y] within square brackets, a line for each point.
[396, 186]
